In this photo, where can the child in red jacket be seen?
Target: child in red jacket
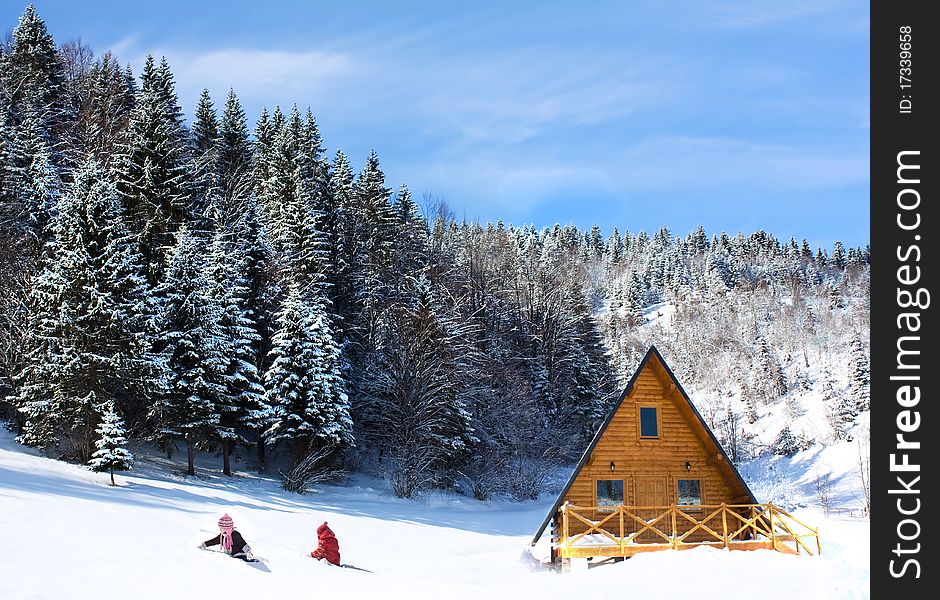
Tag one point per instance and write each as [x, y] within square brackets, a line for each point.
[328, 546]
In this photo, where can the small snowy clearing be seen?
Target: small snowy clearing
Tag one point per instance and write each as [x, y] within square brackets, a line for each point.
[66, 533]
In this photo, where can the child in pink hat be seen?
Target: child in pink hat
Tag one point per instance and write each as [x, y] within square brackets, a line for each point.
[231, 541]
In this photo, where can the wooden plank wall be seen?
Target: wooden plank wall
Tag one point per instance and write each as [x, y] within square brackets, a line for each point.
[651, 467]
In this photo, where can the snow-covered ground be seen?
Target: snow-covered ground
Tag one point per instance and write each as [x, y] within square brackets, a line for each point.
[65, 533]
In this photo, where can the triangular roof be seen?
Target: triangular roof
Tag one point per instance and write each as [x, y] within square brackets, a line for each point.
[652, 353]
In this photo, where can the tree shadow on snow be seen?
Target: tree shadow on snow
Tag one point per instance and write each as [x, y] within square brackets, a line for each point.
[133, 492]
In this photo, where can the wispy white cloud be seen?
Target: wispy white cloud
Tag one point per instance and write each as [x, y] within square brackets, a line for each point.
[680, 161]
[509, 101]
[262, 76]
[125, 47]
[755, 13]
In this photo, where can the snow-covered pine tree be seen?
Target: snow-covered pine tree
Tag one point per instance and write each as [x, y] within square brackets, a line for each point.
[31, 185]
[311, 149]
[859, 375]
[584, 360]
[750, 405]
[193, 348]
[304, 385]
[90, 319]
[834, 297]
[111, 454]
[635, 300]
[153, 173]
[411, 242]
[235, 161]
[205, 127]
[768, 380]
[240, 408]
[614, 249]
[33, 76]
[786, 443]
[345, 245]
[841, 408]
[206, 194]
[595, 241]
[837, 258]
[290, 195]
[260, 300]
[375, 225]
[261, 166]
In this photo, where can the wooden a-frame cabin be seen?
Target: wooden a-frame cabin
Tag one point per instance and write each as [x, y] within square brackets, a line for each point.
[655, 478]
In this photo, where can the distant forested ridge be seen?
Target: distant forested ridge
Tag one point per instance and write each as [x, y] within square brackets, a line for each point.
[234, 288]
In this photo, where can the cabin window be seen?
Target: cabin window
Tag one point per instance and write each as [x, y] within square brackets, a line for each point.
[609, 493]
[690, 492]
[649, 422]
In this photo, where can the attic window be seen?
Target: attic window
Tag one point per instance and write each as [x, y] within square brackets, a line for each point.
[649, 422]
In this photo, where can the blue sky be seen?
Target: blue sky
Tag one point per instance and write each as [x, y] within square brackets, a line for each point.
[734, 115]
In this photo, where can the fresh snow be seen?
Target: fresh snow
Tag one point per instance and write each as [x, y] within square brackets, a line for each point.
[66, 533]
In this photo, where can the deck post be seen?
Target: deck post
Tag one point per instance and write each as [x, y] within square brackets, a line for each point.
[564, 534]
[620, 510]
[675, 534]
[724, 524]
[773, 532]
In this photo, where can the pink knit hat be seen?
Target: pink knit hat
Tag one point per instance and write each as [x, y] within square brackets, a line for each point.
[227, 525]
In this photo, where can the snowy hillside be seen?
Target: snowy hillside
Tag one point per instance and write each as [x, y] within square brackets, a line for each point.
[66, 532]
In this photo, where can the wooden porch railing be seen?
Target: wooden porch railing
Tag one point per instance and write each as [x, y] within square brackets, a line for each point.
[627, 530]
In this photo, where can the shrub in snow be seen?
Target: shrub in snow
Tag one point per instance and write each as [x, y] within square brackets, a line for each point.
[316, 467]
[823, 486]
[788, 444]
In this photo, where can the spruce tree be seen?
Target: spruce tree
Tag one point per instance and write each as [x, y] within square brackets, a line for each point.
[376, 230]
[240, 408]
[345, 246]
[153, 169]
[614, 248]
[31, 185]
[111, 454]
[837, 258]
[289, 196]
[584, 355]
[304, 385]
[261, 300]
[841, 408]
[34, 77]
[91, 317]
[193, 348]
[411, 240]
[859, 375]
[768, 379]
[235, 161]
[262, 166]
[205, 128]
[206, 202]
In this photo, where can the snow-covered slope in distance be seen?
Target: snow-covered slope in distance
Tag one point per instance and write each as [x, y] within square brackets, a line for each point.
[66, 533]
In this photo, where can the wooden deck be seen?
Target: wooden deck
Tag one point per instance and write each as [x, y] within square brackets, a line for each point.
[623, 531]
